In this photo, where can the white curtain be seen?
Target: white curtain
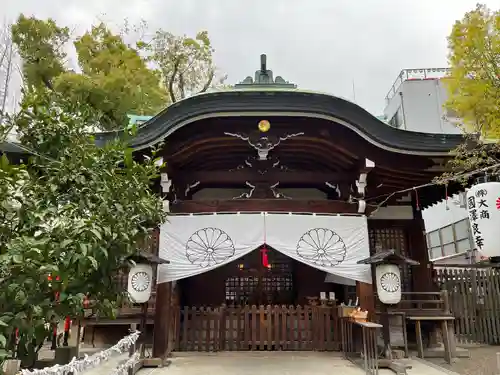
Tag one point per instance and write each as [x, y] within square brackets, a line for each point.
[333, 244]
[200, 243]
[195, 244]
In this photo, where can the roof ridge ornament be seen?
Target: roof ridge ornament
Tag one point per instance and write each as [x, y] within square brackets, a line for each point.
[264, 77]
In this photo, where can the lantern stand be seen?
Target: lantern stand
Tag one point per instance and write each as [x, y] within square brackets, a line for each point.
[140, 281]
[385, 270]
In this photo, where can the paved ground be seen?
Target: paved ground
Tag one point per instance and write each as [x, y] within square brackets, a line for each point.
[274, 363]
[482, 361]
[256, 363]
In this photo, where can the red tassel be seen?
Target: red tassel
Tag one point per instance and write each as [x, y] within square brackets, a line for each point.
[263, 250]
[265, 259]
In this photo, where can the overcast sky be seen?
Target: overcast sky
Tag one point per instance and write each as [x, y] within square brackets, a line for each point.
[323, 45]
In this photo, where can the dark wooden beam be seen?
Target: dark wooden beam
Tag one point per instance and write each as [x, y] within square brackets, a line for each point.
[308, 162]
[269, 205]
[238, 177]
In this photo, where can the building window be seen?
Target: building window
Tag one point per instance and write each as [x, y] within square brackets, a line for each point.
[449, 240]
[434, 240]
[435, 252]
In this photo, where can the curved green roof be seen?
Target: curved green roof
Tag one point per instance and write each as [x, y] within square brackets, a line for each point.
[264, 95]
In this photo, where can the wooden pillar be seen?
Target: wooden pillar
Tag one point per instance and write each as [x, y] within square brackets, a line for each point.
[163, 317]
[422, 275]
[365, 293]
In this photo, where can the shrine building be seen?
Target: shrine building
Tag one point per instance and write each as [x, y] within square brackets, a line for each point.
[275, 194]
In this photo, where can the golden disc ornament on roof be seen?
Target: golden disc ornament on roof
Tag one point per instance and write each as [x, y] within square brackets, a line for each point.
[264, 126]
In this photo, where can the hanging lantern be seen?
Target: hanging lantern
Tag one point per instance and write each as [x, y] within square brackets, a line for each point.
[140, 280]
[388, 283]
[483, 206]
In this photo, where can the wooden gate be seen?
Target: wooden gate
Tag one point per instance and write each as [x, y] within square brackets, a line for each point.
[257, 328]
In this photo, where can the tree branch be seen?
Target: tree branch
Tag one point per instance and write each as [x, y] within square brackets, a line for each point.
[182, 86]
[171, 82]
[210, 79]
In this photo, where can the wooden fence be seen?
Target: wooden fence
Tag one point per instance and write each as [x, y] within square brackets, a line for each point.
[474, 297]
[257, 328]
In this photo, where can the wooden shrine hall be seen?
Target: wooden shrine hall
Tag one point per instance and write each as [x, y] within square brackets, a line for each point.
[272, 193]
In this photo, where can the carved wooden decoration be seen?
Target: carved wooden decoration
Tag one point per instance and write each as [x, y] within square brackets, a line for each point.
[263, 143]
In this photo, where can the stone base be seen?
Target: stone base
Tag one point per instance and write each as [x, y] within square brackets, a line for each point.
[398, 354]
[155, 362]
[439, 353]
[65, 354]
[45, 362]
[11, 366]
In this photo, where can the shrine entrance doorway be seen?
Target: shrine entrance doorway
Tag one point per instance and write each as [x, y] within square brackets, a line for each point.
[263, 308]
[263, 277]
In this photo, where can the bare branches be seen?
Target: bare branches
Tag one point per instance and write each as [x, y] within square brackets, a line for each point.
[186, 64]
[8, 68]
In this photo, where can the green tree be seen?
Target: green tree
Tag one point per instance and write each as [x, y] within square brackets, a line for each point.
[474, 83]
[114, 79]
[118, 80]
[474, 88]
[186, 64]
[70, 213]
[41, 47]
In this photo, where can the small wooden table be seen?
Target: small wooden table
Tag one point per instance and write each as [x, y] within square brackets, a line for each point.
[444, 319]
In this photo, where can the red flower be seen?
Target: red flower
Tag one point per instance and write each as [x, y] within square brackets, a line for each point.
[498, 203]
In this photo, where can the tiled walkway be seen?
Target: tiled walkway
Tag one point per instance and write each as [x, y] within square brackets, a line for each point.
[257, 363]
[273, 363]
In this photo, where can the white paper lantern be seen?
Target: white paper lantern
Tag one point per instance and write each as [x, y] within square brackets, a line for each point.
[388, 283]
[483, 206]
[140, 280]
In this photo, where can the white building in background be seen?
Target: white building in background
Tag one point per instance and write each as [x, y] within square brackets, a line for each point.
[415, 102]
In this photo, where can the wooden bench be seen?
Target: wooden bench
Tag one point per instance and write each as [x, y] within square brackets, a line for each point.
[443, 319]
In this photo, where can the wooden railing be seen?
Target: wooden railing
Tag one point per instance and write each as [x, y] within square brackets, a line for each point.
[422, 303]
[257, 328]
[359, 344]
[127, 314]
